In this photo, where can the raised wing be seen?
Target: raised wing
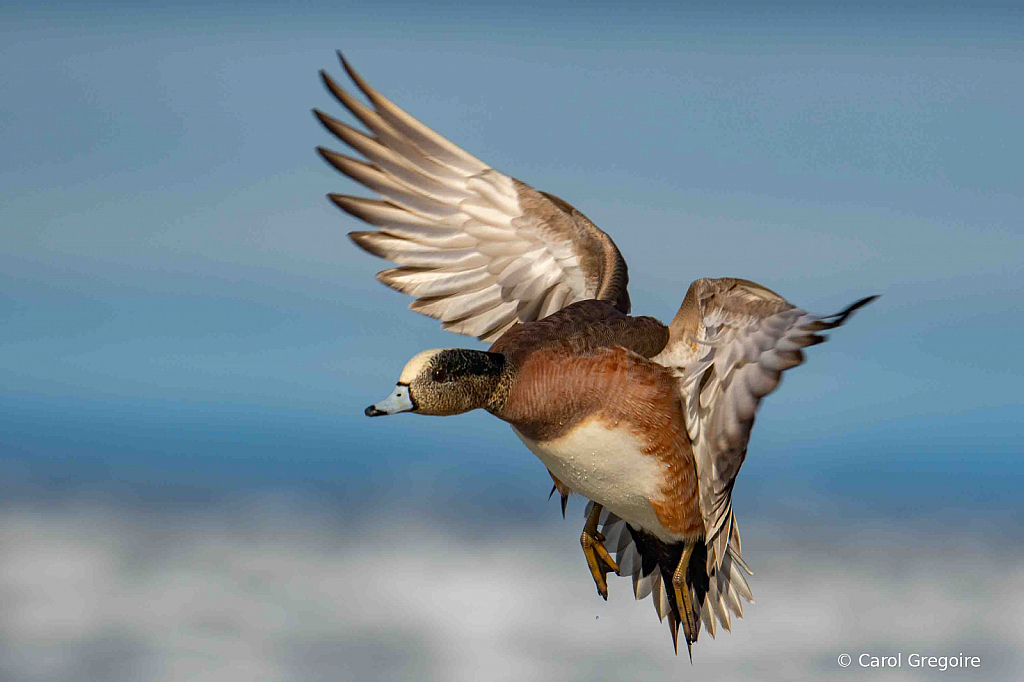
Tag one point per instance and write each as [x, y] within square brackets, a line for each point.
[479, 250]
[729, 344]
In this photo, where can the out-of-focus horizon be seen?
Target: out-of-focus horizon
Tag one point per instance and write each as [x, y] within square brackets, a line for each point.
[186, 331]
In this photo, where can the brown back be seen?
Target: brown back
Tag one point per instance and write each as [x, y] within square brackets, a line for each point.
[582, 328]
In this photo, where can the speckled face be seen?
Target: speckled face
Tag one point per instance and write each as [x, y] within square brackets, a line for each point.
[443, 381]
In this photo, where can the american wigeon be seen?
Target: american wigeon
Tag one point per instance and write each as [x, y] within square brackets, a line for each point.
[649, 422]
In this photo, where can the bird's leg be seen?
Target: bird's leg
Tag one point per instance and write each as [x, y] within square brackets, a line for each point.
[598, 558]
[683, 600]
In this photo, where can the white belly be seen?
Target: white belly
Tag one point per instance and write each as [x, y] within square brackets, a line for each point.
[608, 467]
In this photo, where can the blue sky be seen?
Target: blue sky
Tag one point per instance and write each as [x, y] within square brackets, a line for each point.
[182, 316]
[178, 294]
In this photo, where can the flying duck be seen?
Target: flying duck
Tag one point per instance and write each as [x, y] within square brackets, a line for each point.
[649, 422]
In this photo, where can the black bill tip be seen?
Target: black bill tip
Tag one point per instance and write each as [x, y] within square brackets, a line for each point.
[372, 411]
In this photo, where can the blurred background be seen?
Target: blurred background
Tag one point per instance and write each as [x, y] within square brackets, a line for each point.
[189, 490]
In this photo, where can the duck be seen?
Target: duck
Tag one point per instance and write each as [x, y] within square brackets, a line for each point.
[649, 422]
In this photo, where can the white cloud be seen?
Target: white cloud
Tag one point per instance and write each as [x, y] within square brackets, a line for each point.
[272, 592]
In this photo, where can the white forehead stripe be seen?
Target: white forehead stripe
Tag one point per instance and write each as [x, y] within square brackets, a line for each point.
[416, 365]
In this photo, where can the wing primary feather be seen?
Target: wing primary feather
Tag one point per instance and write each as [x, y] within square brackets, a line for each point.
[427, 282]
[380, 213]
[459, 306]
[445, 238]
[394, 164]
[422, 136]
[384, 245]
[389, 136]
[437, 237]
[385, 185]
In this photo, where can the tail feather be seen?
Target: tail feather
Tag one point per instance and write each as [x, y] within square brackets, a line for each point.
[717, 593]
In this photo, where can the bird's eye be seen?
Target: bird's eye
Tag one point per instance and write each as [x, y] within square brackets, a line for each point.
[440, 375]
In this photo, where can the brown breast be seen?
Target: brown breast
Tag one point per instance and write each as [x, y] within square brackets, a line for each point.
[555, 388]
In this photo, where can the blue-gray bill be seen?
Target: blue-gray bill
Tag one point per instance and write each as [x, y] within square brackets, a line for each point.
[398, 401]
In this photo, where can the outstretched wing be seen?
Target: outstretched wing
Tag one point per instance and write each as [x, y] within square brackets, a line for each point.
[478, 249]
[729, 344]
